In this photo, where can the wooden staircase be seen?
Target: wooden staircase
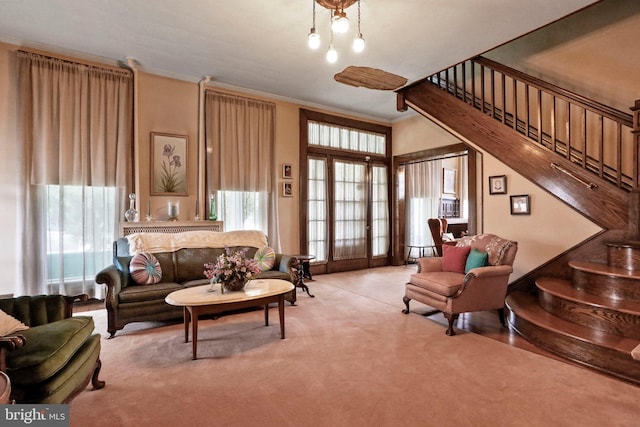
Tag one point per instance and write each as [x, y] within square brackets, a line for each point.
[592, 319]
[583, 305]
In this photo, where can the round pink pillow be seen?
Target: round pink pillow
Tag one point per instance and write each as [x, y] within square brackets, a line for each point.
[145, 269]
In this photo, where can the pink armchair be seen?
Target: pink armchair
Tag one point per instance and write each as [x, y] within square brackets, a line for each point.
[471, 276]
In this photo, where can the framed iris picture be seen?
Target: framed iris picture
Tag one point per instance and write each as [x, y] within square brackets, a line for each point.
[520, 205]
[498, 184]
[168, 164]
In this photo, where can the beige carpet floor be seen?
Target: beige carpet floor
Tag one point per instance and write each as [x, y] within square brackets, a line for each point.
[350, 358]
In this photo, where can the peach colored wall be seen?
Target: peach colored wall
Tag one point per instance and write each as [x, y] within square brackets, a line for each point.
[166, 106]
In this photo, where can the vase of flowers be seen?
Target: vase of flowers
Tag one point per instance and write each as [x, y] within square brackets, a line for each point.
[232, 269]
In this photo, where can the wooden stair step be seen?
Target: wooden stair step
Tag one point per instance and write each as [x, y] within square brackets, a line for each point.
[608, 353]
[561, 299]
[607, 281]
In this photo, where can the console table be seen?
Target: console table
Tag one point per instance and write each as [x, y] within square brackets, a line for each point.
[127, 228]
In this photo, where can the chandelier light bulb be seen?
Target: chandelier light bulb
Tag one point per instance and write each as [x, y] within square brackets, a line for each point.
[358, 43]
[339, 22]
[314, 39]
[332, 54]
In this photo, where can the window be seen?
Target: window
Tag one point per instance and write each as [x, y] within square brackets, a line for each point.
[79, 229]
[380, 210]
[317, 214]
[343, 138]
[243, 210]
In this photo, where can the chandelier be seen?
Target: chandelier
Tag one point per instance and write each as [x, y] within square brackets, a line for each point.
[339, 25]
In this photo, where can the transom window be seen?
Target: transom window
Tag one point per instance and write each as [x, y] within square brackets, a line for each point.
[344, 138]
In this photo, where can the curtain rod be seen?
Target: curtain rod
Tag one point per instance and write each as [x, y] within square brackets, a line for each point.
[433, 159]
[240, 97]
[117, 70]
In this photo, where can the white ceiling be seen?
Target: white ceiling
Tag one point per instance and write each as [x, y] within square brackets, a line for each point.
[261, 44]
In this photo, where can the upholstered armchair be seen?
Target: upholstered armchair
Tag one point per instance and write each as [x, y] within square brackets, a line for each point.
[471, 276]
[49, 355]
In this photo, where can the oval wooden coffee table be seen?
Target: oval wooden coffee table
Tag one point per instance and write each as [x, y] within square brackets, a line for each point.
[200, 300]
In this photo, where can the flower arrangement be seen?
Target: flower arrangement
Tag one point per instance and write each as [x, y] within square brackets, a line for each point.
[232, 269]
[170, 178]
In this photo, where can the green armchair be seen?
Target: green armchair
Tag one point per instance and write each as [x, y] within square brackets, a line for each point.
[56, 357]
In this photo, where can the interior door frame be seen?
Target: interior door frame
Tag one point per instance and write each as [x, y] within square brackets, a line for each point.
[398, 212]
[330, 155]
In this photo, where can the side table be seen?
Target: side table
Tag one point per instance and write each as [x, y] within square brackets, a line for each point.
[304, 271]
[5, 389]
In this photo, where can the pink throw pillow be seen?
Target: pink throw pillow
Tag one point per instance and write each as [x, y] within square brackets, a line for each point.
[454, 258]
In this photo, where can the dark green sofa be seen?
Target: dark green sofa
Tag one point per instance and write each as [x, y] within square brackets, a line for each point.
[53, 360]
[128, 302]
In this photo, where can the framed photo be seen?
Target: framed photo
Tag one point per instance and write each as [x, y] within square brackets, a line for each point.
[168, 164]
[498, 184]
[448, 181]
[287, 189]
[287, 171]
[520, 205]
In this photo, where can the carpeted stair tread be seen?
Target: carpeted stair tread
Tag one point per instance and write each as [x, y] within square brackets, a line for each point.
[563, 289]
[527, 307]
[605, 270]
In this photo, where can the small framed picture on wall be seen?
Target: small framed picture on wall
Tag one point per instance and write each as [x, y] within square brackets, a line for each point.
[498, 184]
[520, 205]
[287, 171]
[287, 189]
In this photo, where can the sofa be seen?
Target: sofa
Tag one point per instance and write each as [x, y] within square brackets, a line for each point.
[181, 258]
[48, 355]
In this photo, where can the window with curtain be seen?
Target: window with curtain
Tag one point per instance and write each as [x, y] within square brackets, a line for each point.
[240, 167]
[76, 132]
[380, 222]
[350, 210]
[317, 225]
[423, 187]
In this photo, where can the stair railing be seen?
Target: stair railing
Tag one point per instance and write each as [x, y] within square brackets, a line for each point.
[594, 136]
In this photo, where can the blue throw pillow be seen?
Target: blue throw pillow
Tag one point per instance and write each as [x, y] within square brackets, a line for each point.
[476, 259]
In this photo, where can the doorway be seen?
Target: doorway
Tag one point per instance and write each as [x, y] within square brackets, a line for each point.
[345, 193]
[437, 183]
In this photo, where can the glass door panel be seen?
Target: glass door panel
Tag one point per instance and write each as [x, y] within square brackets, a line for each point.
[350, 210]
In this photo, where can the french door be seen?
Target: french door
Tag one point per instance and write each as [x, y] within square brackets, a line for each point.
[348, 213]
[344, 192]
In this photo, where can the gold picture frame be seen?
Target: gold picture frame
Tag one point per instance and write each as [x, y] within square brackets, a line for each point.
[448, 181]
[169, 164]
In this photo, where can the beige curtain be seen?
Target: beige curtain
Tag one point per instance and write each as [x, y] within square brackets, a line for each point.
[240, 145]
[423, 186]
[76, 134]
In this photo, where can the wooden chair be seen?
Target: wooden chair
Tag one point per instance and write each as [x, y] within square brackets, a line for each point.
[438, 226]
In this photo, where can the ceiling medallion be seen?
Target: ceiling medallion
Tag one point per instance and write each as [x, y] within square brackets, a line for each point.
[339, 25]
